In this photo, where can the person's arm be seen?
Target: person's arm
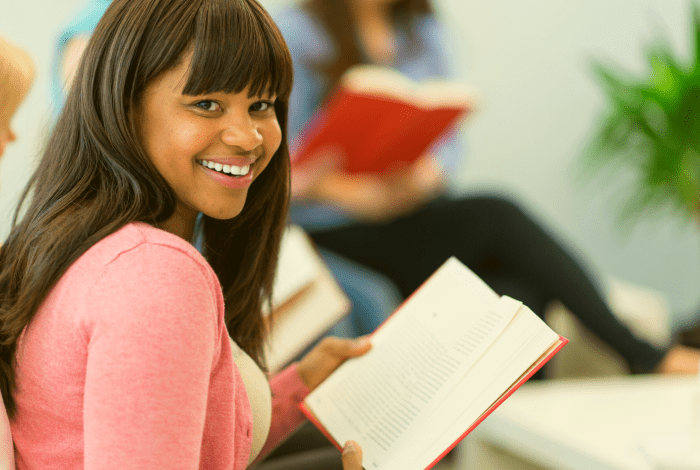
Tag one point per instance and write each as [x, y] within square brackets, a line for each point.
[153, 340]
[288, 391]
[17, 70]
[442, 61]
[380, 197]
[70, 45]
[309, 47]
[70, 58]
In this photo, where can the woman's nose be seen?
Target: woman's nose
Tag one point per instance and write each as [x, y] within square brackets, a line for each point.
[243, 133]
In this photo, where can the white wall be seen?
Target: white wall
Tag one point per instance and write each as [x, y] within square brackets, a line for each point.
[529, 62]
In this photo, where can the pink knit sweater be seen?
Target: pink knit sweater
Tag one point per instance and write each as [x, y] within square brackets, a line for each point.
[127, 366]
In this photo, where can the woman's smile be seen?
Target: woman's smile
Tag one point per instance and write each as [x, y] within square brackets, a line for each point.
[231, 174]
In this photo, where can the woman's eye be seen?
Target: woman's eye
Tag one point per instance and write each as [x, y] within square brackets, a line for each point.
[208, 105]
[262, 106]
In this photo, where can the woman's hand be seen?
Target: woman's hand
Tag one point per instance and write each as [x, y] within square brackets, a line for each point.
[352, 456]
[381, 197]
[327, 356]
[306, 178]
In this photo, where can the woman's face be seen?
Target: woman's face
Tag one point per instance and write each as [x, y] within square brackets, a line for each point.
[209, 148]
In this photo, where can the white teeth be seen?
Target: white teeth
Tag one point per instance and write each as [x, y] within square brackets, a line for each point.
[229, 169]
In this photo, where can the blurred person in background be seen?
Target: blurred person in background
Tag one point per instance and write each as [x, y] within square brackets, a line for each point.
[70, 45]
[16, 77]
[405, 226]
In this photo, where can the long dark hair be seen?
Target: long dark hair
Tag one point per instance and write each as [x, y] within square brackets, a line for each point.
[94, 176]
[339, 22]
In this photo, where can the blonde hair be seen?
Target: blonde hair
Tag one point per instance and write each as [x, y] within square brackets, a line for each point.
[16, 76]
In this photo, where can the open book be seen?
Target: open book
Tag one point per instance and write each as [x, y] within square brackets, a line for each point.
[378, 119]
[451, 354]
[306, 300]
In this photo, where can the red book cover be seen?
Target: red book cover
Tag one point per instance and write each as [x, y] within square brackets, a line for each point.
[378, 120]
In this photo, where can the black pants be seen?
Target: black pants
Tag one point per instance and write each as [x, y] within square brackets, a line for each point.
[502, 244]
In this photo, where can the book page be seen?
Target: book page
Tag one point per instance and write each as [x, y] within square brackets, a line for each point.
[297, 266]
[419, 355]
[388, 83]
[515, 351]
[305, 318]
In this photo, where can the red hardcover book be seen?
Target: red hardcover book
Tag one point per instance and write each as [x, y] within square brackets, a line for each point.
[448, 357]
[377, 120]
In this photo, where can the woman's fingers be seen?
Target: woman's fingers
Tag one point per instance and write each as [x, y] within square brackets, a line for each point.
[323, 359]
[352, 456]
[342, 348]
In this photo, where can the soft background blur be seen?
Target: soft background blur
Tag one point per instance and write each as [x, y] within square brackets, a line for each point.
[529, 62]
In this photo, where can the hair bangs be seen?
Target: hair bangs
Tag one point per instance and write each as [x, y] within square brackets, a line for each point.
[238, 46]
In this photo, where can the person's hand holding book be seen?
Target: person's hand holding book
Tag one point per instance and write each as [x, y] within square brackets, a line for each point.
[319, 363]
[426, 179]
[327, 355]
[381, 197]
[352, 456]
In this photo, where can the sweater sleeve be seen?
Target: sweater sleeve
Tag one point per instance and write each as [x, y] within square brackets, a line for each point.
[152, 331]
[439, 60]
[288, 391]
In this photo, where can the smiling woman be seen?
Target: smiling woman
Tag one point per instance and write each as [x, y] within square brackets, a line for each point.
[121, 345]
[236, 134]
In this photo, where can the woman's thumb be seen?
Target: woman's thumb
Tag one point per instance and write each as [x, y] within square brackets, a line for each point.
[352, 456]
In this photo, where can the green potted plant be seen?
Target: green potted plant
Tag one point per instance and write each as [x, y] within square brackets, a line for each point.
[652, 127]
